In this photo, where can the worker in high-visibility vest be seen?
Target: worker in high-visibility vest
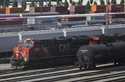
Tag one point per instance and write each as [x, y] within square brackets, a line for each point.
[94, 7]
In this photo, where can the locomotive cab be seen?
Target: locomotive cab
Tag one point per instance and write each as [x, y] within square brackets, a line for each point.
[21, 53]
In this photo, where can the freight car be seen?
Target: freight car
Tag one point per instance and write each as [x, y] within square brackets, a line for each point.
[90, 55]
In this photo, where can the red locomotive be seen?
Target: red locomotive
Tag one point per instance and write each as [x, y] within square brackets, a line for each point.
[53, 52]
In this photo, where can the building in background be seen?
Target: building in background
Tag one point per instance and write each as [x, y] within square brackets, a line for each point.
[21, 3]
[60, 6]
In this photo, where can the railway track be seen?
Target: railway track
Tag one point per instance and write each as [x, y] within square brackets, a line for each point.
[108, 73]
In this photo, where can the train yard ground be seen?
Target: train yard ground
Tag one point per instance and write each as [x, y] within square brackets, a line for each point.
[103, 73]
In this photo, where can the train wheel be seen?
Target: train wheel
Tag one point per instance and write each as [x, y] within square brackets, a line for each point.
[85, 59]
[13, 62]
[81, 61]
[115, 61]
[121, 62]
[89, 62]
[82, 66]
[91, 65]
[17, 64]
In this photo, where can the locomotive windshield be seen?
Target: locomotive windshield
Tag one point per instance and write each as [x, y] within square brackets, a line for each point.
[28, 43]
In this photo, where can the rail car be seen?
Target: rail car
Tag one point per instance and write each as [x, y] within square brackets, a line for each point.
[65, 51]
[105, 50]
[89, 56]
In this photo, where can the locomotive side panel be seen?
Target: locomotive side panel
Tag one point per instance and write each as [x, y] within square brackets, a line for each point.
[55, 52]
[90, 55]
[118, 51]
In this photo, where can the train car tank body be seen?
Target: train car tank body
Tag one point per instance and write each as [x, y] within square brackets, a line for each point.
[90, 55]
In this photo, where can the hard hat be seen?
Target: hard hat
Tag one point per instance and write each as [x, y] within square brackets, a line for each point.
[28, 39]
